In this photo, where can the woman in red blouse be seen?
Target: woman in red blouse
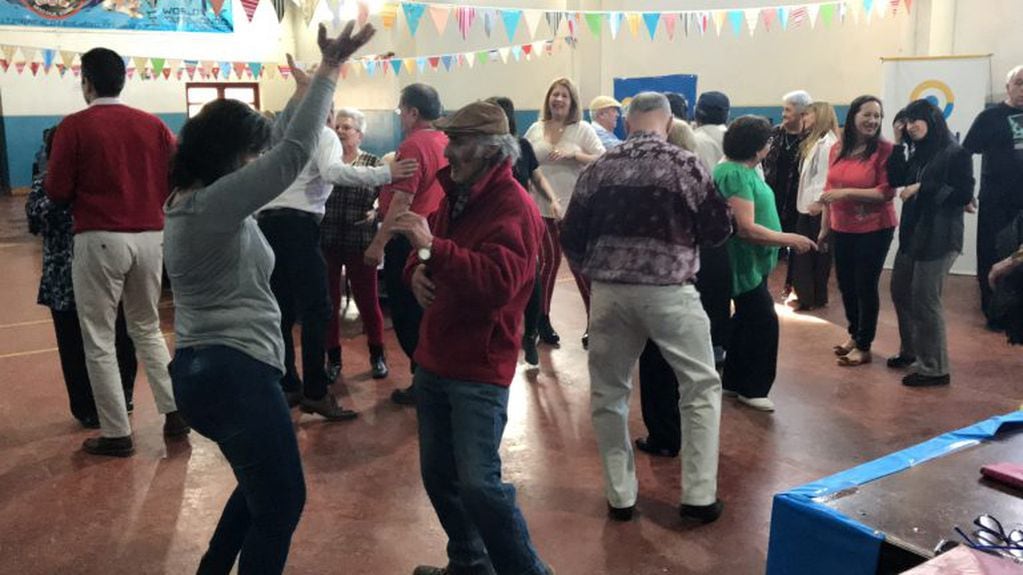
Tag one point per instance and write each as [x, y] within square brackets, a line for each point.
[862, 218]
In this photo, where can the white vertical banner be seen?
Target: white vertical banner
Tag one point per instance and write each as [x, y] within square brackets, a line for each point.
[958, 85]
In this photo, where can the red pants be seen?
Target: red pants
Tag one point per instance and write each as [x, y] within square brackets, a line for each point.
[364, 289]
[550, 261]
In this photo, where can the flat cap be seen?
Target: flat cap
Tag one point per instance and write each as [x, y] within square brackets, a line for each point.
[601, 102]
[478, 118]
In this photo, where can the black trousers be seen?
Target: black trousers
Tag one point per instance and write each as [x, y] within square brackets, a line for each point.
[658, 386]
[71, 350]
[658, 396]
[992, 218]
[534, 308]
[859, 259]
[752, 361]
[810, 271]
[406, 314]
[299, 282]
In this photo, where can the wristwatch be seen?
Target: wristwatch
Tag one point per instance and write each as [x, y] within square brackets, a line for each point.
[424, 253]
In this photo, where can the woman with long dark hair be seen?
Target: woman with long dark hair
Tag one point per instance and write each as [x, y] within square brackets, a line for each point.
[862, 220]
[934, 178]
[230, 353]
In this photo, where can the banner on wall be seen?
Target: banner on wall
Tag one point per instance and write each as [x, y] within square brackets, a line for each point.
[626, 88]
[148, 15]
[959, 87]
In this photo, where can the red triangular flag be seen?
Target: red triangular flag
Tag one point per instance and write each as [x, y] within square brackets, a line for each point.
[239, 69]
[217, 5]
[527, 48]
[5, 64]
[434, 62]
[250, 8]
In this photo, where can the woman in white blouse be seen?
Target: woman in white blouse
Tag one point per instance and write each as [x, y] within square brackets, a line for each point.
[810, 271]
[564, 145]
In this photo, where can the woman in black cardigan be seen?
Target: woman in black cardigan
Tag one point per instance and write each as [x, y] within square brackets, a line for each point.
[934, 178]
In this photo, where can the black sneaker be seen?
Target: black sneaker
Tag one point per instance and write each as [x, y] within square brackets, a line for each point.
[620, 513]
[900, 361]
[702, 513]
[405, 396]
[920, 380]
[111, 446]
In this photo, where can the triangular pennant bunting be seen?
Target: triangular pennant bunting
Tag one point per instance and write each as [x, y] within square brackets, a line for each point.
[482, 57]
[670, 23]
[517, 52]
[812, 10]
[593, 22]
[49, 55]
[158, 65]
[447, 60]
[767, 15]
[735, 19]
[439, 16]
[827, 14]
[434, 62]
[410, 65]
[413, 14]
[511, 20]
[614, 23]
[465, 17]
[651, 19]
[249, 6]
[389, 15]
[256, 68]
[634, 20]
[396, 65]
[719, 20]
[239, 69]
[488, 20]
[554, 21]
[783, 17]
[532, 18]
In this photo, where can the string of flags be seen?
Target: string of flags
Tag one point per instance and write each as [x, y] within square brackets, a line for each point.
[47, 60]
[440, 15]
[563, 26]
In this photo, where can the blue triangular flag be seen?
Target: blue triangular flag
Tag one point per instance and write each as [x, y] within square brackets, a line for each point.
[421, 62]
[371, 67]
[652, 19]
[447, 61]
[256, 68]
[396, 64]
[225, 70]
[735, 17]
[517, 52]
[48, 55]
[413, 14]
[783, 17]
[511, 22]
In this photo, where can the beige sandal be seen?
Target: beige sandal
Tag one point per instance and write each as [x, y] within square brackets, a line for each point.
[844, 349]
[855, 358]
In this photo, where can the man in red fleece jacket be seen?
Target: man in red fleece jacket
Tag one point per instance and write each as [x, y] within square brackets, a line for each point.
[472, 271]
[110, 162]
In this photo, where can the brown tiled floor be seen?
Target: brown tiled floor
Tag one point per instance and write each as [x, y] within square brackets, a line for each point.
[64, 512]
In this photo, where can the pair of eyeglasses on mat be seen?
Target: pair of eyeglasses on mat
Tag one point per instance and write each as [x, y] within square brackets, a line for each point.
[991, 536]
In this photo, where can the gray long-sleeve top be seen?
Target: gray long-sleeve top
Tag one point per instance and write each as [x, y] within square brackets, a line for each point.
[218, 262]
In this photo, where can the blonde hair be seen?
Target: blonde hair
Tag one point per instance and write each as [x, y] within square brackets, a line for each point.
[574, 111]
[681, 135]
[826, 121]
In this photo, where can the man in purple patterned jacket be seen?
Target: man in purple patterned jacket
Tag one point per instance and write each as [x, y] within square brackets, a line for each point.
[634, 227]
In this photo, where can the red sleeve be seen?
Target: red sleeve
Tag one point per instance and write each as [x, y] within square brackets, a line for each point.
[409, 150]
[61, 165]
[500, 265]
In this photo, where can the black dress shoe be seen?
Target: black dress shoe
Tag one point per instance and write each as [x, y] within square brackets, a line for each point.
[702, 513]
[900, 361]
[452, 570]
[174, 425]
[327, 407]
[405, 396]
[532, 355]
[620, 513]
[920, 380]
[90, 422]
[111, 446]
[547, 333]
[643, 444]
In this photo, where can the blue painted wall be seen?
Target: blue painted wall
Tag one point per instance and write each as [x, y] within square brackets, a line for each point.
[25, 133]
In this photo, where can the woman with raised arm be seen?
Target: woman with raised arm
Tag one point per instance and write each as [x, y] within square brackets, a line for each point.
[230, 353]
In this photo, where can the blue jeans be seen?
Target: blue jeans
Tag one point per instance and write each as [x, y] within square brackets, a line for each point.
[460, 429]
[237, 402]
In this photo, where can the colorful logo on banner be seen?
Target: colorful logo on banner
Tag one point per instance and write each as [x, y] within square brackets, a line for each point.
[150, 15]
[937, 93]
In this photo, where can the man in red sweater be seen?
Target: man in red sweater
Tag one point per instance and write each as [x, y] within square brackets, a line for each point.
[110, 162]
[472, 271]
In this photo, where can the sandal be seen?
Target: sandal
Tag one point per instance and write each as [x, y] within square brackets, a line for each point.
[844, 349]
[855, 359]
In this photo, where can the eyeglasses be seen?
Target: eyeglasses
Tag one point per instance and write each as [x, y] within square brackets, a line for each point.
[990, 536]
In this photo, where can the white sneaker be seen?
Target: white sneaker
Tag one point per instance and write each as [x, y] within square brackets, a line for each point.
[758, 403]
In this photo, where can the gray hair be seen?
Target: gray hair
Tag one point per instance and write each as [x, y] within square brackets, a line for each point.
[1013, 73]
[645, 102]
[507, 147]
[800, 99]
[354, 115]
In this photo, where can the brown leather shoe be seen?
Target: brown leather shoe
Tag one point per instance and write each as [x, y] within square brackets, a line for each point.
[175, 425]
[111, 446]
[327, 407]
